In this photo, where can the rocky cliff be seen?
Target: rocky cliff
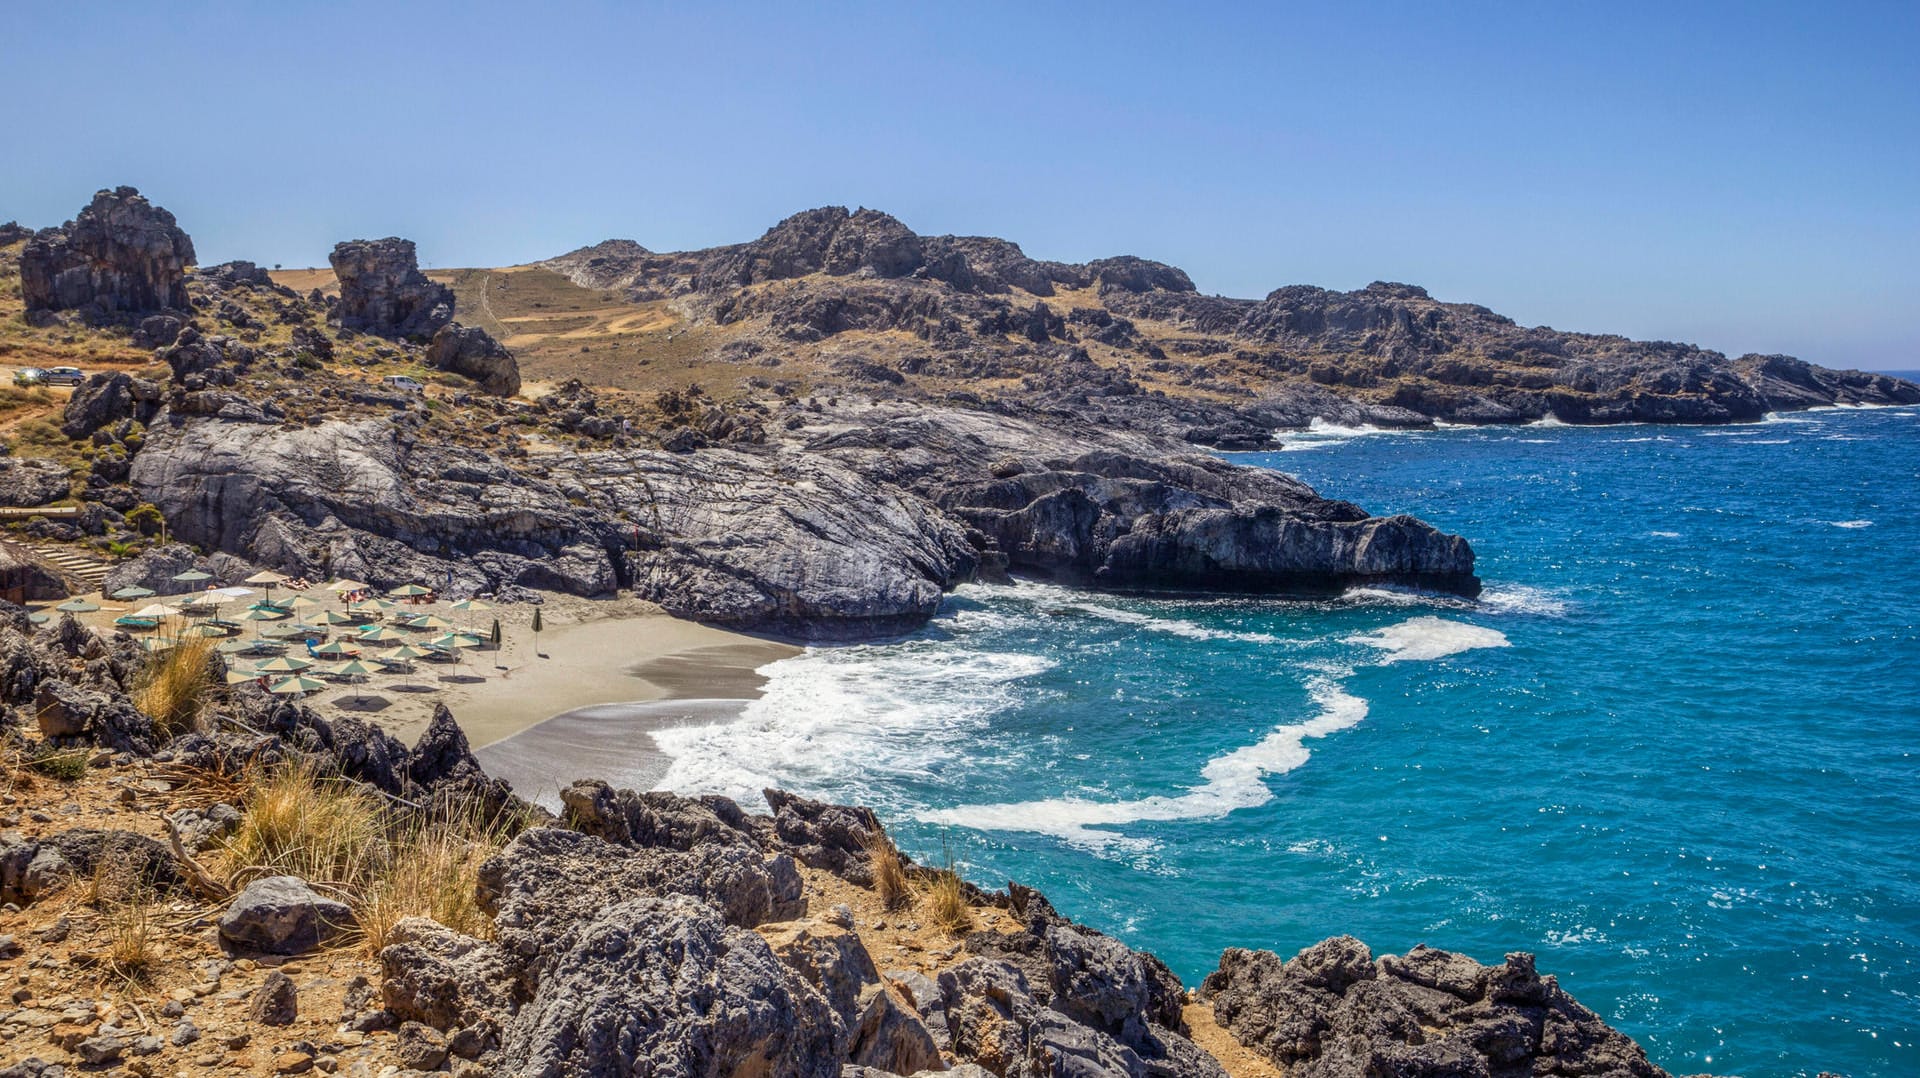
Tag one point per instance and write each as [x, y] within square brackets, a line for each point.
[1132, 337]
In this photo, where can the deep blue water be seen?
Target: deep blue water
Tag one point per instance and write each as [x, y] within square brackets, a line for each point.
[1675, 749]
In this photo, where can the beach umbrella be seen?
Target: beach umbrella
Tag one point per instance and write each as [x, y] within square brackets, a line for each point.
[267, 578]
[408, 591]
[231, 593]
[232, 646]
[472, 604]
[380, 604]
[405, 653]
[133, 592]
[380, 634]
[78, 606]
[39, 617]
[157, 610]
[352, 670]
[455, 640]
[336, 649]
[428, 621]
[301, 602]
[191, 576]
[208, 631]
[296, 686]
[263, 613]
[240, 677]
[285, 664]
[347, 585]
[336, 617]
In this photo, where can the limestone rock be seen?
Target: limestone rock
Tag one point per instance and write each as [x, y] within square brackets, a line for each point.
[282, 915]
[436, 976]
[471, 352]
[276, 1002]
[663, 987]
[1333, 1012]
[383, 292]
[121, 255]
[832, 959]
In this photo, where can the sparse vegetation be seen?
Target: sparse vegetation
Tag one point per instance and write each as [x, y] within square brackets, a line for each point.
[944, 899]
[66, 765]
[889, 871]
[146, 518]
[132, 953]
[298, 822]
[431, 872]
[175, 685]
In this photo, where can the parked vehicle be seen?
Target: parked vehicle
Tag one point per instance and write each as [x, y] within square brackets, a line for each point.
[64, 376]
[29, 376]
[402, 382]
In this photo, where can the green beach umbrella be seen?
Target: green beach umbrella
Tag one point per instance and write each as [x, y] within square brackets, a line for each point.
[380, 634]
[296, 686]
[380, 604]
[336, 617]
[335, 649]
[407, 591]
[233, 646]
[132, 592]
[301, 602]
[455, 640]
[240, 677]
[260, 615]
[353, 670]
[472, 604]
[428, 621]
[157, 610]
[191, 576]
[285, 664]
[347, 585]
[78, 606]
[403, 654]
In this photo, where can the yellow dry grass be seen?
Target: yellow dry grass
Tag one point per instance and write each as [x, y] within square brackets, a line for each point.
[889, 871]
[431, 872]
[324, 830]
[174, 687]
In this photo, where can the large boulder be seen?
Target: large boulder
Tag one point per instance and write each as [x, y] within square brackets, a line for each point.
[667, 989]
[122, 255]
[282, 915]
[1334, 1012]
[471, 352]
[383, 292]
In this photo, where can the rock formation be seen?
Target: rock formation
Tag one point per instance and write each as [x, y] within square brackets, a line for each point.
[121, 255]
[13, 232]
[383, 292]
[471, 352]
[1334, 1012]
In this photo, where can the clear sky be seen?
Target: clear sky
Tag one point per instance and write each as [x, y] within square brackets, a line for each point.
[1742, 175]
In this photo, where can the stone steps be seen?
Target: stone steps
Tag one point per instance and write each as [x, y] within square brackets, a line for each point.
[86, 572]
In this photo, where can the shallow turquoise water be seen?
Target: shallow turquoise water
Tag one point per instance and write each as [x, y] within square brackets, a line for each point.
[1675, 750]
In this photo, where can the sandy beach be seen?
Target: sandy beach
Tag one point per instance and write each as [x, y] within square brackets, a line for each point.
[594, 680]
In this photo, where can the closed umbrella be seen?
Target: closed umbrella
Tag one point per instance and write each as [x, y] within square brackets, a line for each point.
[296, 686]
[134, 591]
[78, 606]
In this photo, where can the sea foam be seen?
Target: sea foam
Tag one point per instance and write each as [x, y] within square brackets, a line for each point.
[1230, 782]
[1430, 638]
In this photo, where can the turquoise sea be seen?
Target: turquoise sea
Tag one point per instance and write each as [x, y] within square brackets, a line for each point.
[1674, 749]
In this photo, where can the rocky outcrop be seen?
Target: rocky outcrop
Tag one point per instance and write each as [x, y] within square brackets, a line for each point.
[851, 533]
[1334, 1012]
[13, 232]
[282, 915]
[471, 352]
[121, 256]
[383, 292]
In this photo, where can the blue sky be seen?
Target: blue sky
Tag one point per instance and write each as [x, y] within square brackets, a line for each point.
[1746, 176]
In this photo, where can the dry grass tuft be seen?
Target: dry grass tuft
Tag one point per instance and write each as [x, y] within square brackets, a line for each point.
[944, 901]
[889, 871]
[175, 685]
[433, 872]
[324, 830]
[132, 949]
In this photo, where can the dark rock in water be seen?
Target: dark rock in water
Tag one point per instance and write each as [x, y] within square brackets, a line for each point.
[1333, 1012]
[471, 352]
[122, 255]
[664, 987]
[282, 915]
[382, 290]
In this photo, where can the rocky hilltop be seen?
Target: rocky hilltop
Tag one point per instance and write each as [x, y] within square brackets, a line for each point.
[272, 434]
[876, 302]
[636, 934]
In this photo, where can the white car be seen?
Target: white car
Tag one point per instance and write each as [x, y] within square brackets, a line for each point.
[64, 376]
[403, 383]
